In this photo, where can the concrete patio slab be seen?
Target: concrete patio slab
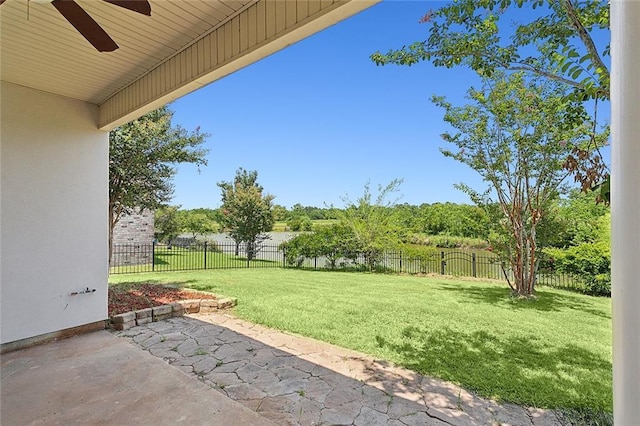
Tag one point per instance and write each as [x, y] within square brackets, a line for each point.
[99, 378]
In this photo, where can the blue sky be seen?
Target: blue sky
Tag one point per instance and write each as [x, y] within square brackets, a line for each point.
[319, 119]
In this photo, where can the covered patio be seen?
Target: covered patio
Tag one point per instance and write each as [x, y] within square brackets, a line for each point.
[97, 378]
[60, 97]
[212, 368]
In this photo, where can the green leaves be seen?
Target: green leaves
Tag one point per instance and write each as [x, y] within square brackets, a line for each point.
[166, 223]
[591, 262]
[246, 211]
[516, 134]
[142, 154]
[556, 43]
[198, 222]
[373, 223]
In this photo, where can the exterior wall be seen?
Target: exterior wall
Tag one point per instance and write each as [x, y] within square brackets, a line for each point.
[134, 229]
[53, 214]
[132, 239]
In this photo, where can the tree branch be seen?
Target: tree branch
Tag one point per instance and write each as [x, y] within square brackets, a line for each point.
[574, 19]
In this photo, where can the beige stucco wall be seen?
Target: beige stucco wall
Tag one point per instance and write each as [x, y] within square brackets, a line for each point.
[53, 213]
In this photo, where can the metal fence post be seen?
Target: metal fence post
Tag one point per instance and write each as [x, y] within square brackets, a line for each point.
[473, 265]
[442, 263]
[153, 256]
[205, 255]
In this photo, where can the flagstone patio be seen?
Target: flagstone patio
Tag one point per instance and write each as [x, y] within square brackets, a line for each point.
[294, 380]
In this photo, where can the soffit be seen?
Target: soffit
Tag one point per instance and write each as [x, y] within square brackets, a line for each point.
[41, 50]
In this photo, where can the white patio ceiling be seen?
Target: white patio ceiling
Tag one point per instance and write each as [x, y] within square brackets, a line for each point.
[184, 45]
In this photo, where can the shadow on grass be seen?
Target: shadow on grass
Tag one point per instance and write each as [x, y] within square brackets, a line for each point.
[361, 269]
[173, 254]
[545, 302]
[158, 259]
[255, 260]
[520, 370]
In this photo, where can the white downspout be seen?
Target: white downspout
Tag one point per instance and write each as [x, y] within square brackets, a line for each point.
[625, 209]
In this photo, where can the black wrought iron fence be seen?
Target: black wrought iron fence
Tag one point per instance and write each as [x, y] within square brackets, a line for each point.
[188, 254]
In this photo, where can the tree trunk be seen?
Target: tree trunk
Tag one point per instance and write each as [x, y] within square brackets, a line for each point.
[525, 265]
[524, 262]
[113, 220]
[114, 217]
[251, 249]
[110, 241]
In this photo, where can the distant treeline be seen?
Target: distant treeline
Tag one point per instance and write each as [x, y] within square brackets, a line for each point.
[572, 220]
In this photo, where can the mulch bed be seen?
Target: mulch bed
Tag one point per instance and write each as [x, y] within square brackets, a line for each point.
[148, 296]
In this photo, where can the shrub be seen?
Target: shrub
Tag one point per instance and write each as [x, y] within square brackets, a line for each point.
[300, 223]
[425, 255]
[300, 247]
[591, 262]
[332, 242]
[599, 284]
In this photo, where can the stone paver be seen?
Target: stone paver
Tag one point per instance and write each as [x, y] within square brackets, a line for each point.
[294, 380]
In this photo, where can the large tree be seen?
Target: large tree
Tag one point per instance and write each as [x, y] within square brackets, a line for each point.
[246, 211]
[565, 41]
[142, 156]
[199, 222]
[516, 134]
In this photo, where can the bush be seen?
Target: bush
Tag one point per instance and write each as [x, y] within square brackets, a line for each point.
[332, 242]
[300, 247]
[591, 262]
[300, 223]
[425, 255]
[599, 285]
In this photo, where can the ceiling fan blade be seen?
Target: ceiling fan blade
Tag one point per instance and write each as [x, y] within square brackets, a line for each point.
[140, 6]
[85, 25]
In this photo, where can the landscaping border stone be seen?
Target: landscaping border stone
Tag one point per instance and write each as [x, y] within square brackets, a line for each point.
[144, 316]
[179, 308]
[162, 312]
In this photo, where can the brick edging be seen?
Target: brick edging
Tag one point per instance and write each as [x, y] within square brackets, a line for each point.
[176, 309]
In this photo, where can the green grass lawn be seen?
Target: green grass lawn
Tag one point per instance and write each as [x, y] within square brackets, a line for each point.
[554, 352]
[279, 226]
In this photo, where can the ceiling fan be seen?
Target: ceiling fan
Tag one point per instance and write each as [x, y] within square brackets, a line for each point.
[90, 29]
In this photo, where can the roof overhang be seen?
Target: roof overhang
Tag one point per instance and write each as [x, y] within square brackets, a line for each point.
[184, 45]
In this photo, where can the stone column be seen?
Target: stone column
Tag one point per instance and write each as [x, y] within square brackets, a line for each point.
[625, 208]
